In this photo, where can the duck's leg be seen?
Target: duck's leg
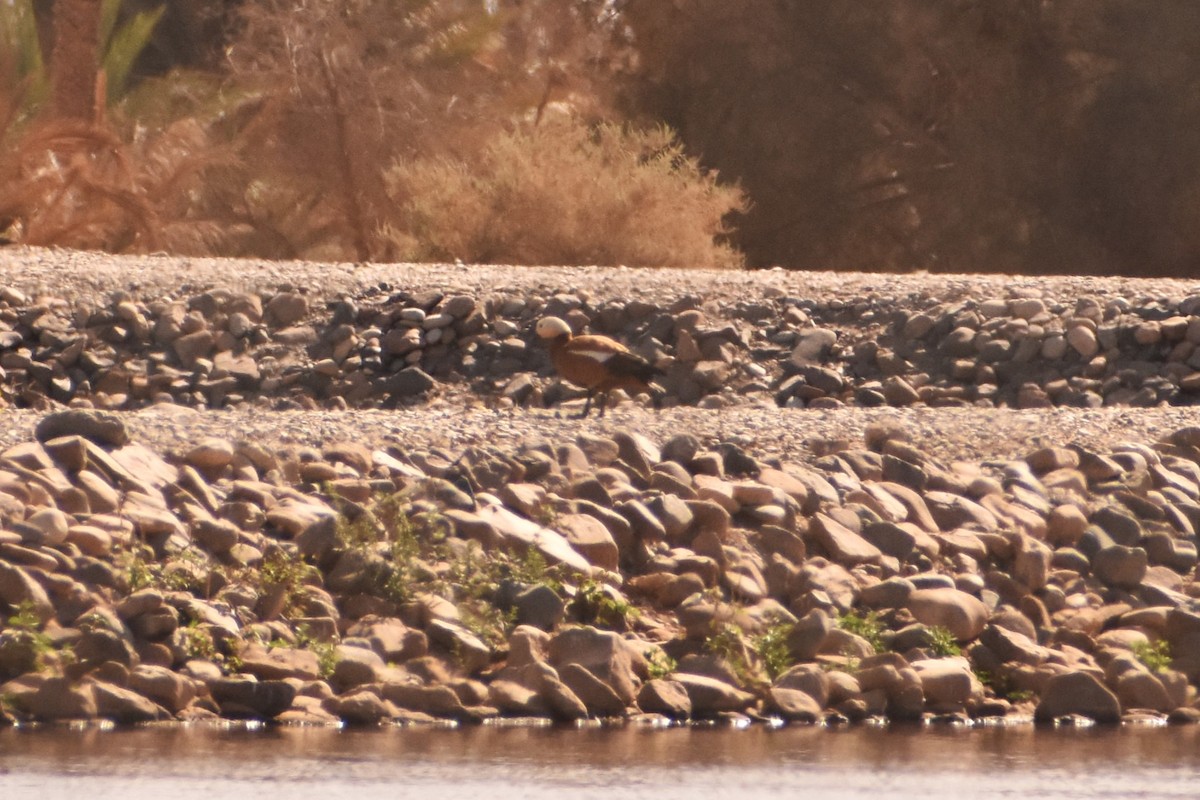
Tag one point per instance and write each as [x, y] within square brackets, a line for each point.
[603, 403]
[587, 406]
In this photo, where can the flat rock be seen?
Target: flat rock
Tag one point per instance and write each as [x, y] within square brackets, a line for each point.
[521, 534]
[711, 696]
[126, 706]
[842, 544]
[277, 663]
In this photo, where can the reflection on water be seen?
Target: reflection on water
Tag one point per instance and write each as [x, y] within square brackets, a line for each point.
[179, 762]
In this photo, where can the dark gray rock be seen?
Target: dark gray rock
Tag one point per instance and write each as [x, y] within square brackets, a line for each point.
[243, 697]
[409, 382]
[100, 427]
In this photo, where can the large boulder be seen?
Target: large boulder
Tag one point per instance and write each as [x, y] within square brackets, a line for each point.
[126, 706]
[277, 663]
[440, 701]
[62, 699]
[362, 707]
[597, 696]
[808, 678]
[1141, 689]
[792, 705]
[1077, 692]
[101, 427]
[169, 689]
[958, 612]
[666, 697]
[1183, 634]
[808, 635]
[1120, 566]
[946, 682]
[17, 588]
[246, 697]
[711, 696]
[602, 653]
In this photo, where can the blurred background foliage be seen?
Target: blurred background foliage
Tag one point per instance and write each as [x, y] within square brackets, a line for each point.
[1029, 136]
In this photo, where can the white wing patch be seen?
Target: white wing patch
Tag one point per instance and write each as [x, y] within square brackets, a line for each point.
[598, 356]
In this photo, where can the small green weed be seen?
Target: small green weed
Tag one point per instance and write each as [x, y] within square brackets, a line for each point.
[326, 651]
[488, 622]
[728, 642]
[531, 568]
[404, 552]
[140, 572]
[286, 571]
[1003, 688]
[546, 514]
[772, 647]
[866, 626]
[1156, 656]
[198, 642]
[594, 605]
[26, 642]
[660, 665]
[233, 660]
[25, 618]
[358, 533]
[1020, 696]
[942, 642]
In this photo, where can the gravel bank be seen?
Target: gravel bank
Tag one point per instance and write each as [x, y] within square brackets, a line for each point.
[970, 385]
[970, 434]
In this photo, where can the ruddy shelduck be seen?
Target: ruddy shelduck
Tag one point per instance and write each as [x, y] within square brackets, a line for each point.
[596, 363]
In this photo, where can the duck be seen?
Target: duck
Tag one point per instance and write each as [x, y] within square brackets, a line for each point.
[596, 363]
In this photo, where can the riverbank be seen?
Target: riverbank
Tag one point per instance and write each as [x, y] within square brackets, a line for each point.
[331, 496]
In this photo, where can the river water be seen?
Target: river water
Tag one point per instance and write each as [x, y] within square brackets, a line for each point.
[511, 763]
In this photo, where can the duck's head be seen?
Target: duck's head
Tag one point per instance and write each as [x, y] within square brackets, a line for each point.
[552, 328]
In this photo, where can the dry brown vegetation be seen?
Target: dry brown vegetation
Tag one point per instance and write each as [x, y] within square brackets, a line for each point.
[363, 129]
[561, 193]
[1031, 136]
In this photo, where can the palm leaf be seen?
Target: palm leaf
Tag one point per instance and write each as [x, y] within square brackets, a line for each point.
[124, 47]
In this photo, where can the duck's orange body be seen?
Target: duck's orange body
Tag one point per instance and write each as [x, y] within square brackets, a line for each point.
[596, 363]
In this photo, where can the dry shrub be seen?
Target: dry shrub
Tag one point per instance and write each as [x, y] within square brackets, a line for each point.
[74, 174]
[348, 87]
[351, 87]
[565, 193]
[366, 129]
[70, 183]
[73, 183]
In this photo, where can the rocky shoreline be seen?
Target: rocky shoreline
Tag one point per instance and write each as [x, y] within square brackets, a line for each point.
[611, 577]
[429, 543]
